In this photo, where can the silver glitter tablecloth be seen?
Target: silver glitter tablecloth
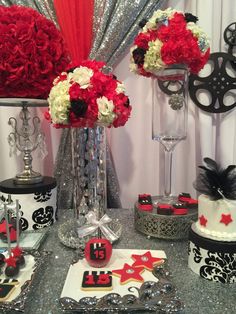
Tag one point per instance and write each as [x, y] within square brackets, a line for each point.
[199, 295]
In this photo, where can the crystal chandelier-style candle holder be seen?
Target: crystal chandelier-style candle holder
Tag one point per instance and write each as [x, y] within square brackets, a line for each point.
[26, 137]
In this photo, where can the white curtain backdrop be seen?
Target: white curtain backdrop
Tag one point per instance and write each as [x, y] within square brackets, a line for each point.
[139, 160]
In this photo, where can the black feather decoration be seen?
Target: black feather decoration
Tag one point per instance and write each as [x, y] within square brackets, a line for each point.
[215, 181]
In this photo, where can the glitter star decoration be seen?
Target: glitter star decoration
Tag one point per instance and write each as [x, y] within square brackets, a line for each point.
[203, 220]
[146, 260]
[226, 219]
[129, 273]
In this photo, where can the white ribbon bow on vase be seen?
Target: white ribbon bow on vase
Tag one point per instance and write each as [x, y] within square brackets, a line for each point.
[93, 224]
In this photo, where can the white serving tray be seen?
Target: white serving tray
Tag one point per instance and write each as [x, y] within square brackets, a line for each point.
[72, 287]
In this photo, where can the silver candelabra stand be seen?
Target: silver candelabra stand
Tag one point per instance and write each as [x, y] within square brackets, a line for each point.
[26, 137]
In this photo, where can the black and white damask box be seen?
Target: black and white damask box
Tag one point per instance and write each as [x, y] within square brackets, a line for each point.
[211, 259]
[38, 202]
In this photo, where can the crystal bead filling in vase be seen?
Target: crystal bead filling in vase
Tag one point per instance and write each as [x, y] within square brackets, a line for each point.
[169, 116]
[89, 171]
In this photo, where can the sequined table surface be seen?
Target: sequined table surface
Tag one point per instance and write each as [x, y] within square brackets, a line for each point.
[199, 295]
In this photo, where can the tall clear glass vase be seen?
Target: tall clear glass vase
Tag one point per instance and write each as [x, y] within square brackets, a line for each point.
[88, 147]
[169, 118]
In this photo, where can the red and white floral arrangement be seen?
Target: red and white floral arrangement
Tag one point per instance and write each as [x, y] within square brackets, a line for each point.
[85, 96]
[169, 37]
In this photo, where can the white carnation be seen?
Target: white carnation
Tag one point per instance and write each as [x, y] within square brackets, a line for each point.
[105, 111]
[152, 59]
[158, 16]
[59, 102]
[120, 88]
[82, 76]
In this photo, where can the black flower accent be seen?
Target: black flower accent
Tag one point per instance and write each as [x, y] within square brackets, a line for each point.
[189, 17]
[142, 23]
[71, 70]
[79, 107]
[220, 267]
[138, 55]
[215, 181]
[197, 254]
[126, 104]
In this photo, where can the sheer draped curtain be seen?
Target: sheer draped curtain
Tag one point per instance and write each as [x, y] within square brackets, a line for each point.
[137, 159]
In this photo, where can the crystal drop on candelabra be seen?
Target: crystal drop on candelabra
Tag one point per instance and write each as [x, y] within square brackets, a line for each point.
[42, 146]
[12, 144]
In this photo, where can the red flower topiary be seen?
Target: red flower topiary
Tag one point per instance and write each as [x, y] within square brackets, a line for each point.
[32, 53]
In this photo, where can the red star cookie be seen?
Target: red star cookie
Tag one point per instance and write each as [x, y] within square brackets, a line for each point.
[203, 221]
[146, 260]
[226, 219]
[129, 273]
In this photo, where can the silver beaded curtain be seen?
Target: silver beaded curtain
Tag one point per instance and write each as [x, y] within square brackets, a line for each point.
[115, 26]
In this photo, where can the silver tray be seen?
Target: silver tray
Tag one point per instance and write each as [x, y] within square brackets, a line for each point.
[158, 296]
[29, 239]
[18, 304]
[173, 227]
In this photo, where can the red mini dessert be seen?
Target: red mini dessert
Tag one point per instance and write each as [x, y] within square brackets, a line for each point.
[164, 209]
[98, 252]
[145, 202]
[18, 255]
[186, 198]
[180, 209]
[12, 229]
[12, 268]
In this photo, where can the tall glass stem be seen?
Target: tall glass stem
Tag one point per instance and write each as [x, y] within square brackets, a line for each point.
[169, 118]
[168, 173]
